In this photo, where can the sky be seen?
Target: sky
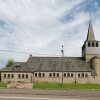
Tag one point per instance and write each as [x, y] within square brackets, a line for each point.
[41, 27]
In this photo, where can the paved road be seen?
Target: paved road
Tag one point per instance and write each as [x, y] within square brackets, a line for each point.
[36, 98]
[28, 98]
[43, 98]
[36, 94]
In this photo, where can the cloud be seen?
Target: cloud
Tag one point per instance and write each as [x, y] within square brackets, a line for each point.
[42, 26]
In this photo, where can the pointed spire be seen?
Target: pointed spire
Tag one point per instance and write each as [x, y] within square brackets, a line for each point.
[90, 35]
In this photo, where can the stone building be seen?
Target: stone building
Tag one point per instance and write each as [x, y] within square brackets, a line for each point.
[85, 69]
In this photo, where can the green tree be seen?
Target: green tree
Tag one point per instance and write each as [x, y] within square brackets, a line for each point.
[10, 63]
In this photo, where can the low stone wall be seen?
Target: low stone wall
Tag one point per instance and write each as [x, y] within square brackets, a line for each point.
[20, 85]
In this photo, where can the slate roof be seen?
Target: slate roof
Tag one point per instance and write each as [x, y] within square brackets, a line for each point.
[52, 64]
[18, 67]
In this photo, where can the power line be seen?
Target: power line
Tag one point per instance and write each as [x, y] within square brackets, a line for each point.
[26, 52]
[14, 51]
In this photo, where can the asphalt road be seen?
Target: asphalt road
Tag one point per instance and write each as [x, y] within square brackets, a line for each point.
[37, 98]
[37, 94]
[43, 98]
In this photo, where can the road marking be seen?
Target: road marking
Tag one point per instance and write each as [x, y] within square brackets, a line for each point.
[32, 98]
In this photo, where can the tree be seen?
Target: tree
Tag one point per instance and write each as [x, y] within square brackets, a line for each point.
[10, 63]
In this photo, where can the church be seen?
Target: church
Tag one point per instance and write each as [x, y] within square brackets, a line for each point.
[85, 69]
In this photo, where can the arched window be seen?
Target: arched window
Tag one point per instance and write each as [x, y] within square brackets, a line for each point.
[89, 44]
[26, 76]
[53, 74]
[50, 74]
[39, 74]
[22, 76]
[68, 74]
[12, 76]
[96, 44]
[57, 74]
[86, 75]
[92, 44]
[64, 74]
[19, 76]
[8, 76]
[78, 75]
[43, 75]
[71, 74]
[4, 75]
[35, 74]
[82, 74]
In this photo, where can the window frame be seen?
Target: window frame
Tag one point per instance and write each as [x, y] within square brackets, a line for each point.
[50, 75]
[19, 76]
[23, 76]
[89, 44]
[39, 75]
[68, 75]
[79, 75]
[82, 74]
[86, 75]
[12, 76]
[8, 76]
[43, 74]
[54, 74]
[57, 74]
[26, 76]
[97, 45]
[5, 76]
[64, 75]
[92, 44]
[36, 74]
[72, 75]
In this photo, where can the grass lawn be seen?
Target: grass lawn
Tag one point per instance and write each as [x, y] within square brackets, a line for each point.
[3, 85]
[65, 86]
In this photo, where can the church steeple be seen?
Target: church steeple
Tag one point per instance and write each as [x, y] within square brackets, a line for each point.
[91, 47]
[90, 35]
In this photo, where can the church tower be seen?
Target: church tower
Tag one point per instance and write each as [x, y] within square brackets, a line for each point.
[91, 47]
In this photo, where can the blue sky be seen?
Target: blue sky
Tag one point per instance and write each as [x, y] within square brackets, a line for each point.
[43, 26]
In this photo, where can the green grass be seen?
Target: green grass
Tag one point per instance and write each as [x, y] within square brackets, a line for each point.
[3, 85]
[65, 86]
[47, 85]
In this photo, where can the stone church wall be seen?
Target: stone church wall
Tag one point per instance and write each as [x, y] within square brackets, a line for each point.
[15, 77]
[54, 79]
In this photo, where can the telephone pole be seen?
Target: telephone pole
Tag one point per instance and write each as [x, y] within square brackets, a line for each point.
[62, 64]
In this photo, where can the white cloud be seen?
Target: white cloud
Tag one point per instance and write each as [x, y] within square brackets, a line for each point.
[36, 26]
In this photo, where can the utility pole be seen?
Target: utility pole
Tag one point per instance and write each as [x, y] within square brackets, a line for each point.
[75, 77]
[62, 51]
